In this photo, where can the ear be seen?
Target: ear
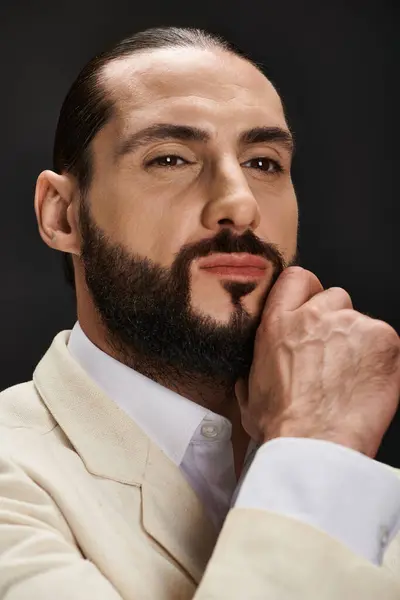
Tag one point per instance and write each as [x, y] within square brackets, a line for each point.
[56, 212]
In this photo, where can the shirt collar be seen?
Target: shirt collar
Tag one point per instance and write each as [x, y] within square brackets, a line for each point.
[170, 420]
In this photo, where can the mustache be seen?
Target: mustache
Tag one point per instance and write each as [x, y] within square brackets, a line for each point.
[226, 242]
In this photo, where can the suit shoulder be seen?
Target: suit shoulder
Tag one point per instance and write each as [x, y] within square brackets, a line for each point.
[22, 407]
[395, 470]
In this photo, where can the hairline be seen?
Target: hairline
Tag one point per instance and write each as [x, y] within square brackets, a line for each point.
[101, 81]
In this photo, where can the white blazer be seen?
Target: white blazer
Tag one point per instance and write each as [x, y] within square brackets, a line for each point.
[91, 509]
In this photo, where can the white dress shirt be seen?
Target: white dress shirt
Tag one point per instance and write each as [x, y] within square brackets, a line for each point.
[351, 497]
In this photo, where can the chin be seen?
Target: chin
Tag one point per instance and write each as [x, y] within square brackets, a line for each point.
[222, 317]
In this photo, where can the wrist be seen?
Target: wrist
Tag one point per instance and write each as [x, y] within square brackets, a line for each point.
[347, 440]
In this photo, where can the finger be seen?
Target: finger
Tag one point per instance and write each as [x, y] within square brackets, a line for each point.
[242, 391]
[334, 298]
[293, 288]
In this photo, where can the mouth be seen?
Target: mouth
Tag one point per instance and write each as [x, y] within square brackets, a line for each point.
[251, 272]
[235, 265]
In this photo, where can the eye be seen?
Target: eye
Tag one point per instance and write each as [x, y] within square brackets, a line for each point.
[266, 165]
[167, 160]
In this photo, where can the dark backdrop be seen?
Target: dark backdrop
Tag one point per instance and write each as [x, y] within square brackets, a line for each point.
[334, 62]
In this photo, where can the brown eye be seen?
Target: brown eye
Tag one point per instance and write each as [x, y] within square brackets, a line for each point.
[168, 160]
[267, 165]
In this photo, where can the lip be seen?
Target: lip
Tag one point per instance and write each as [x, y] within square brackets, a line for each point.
[236, 272]
[238, 260]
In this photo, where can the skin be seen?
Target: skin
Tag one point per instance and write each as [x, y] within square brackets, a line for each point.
[321, 369]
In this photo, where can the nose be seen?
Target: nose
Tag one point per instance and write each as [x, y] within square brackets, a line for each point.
[230, 200]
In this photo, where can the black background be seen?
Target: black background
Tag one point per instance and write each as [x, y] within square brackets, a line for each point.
[334, 63]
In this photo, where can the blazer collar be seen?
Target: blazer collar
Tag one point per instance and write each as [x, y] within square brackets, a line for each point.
[111, 445]
[164, 415]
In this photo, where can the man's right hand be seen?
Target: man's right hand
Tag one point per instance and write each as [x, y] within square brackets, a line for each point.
[320, 369]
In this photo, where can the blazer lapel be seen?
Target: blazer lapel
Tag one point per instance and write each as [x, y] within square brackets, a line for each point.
[112, 446]
[174, 516]
[110, 443]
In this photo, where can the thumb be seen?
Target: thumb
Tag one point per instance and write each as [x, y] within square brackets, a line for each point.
[242, 391]
[248, 422]
[293, 288]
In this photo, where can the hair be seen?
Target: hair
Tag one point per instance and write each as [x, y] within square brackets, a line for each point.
[87, 106]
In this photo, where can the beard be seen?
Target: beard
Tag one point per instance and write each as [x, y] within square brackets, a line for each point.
[147, 316]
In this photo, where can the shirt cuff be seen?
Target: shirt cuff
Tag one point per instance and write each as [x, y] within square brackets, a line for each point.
[351, 497]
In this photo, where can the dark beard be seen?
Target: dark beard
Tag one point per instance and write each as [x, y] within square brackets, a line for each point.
[145, 309]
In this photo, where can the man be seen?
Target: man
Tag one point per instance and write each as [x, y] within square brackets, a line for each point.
[208, 428]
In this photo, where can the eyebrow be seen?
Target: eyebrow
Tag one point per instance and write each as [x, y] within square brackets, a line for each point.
[185, 133]
[259, 135]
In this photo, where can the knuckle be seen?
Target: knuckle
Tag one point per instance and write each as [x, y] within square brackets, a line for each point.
[385, 332]
[341, 294]
[313, 310]
[387, 345]
[350, 315]
[346, 318]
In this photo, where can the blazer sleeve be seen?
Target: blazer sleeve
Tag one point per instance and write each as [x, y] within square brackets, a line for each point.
[36, 560]
[260, 554]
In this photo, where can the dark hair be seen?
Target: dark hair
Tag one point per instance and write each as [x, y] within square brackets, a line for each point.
[87, 107]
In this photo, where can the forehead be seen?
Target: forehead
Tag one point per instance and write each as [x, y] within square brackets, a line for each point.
[191, 86]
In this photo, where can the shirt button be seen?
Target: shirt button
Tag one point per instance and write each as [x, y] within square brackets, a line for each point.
[209, 431]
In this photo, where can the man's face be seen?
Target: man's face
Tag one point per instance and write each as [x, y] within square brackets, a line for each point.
[157, 206]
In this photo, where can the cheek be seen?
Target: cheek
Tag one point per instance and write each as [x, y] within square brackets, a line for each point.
[291, 228]
[155, 232]
[148, 224]
[279, 222]
[138, 220]
[148, 233]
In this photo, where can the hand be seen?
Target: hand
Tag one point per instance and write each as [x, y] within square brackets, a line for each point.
[320, 368]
